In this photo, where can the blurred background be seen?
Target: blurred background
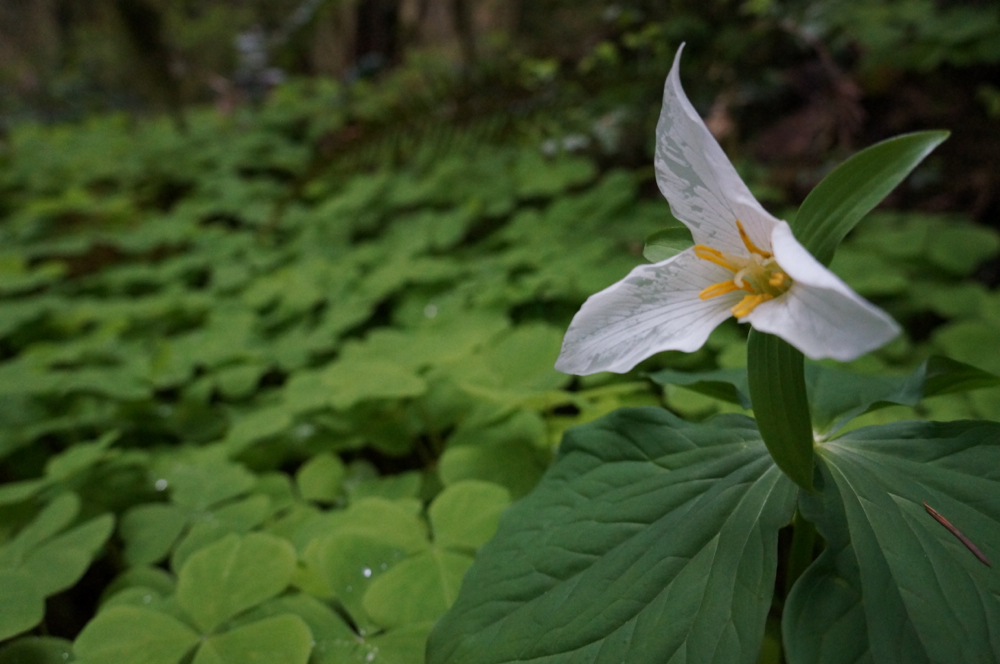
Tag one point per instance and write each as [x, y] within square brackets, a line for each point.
[787, 83]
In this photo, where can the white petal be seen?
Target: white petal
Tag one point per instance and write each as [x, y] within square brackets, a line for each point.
[820, 314]
[694, 175]
[655, 308]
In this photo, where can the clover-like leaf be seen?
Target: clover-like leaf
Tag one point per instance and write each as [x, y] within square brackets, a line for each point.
[629, 550]
[232, 575]
[130, 635]
[417, 589]
[283, 639]
[465, 514]
[37, 650]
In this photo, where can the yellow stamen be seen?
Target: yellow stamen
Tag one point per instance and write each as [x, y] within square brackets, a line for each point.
[751, 247]
[720, 288]
[713, 256]
[749, 303]
[778, 279]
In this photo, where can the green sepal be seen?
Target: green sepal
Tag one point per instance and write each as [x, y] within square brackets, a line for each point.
[855, 187]
[780, 405]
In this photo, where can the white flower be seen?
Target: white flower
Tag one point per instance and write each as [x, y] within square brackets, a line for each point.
[745, 263]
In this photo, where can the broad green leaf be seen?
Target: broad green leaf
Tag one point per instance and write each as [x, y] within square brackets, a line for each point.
[926, 595]
[232, 575]
[284, 639]
[320, 478]
[129, 635]
[37, 650]
[150, 531]
[855, 187]
[22, 605]
[729, 385]
[780, 406]
[417, 589]
[648, 539]
[666, 244]
[823, 621]
[465, 514]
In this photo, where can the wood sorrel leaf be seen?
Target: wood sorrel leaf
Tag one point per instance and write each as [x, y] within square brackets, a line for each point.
[856, 186]
[129, 635]
[232, 575]
[649, 538]
[921, 593]
[778, 393]
[283, 639]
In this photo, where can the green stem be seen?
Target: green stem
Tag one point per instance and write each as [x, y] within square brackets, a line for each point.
[801, 554]
[777, 383]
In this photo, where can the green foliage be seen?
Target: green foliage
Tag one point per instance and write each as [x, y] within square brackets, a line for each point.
[283, 406]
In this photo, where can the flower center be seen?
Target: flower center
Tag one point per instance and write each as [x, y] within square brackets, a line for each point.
[758, 274]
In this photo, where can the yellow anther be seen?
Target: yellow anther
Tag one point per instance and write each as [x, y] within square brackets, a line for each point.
[720, 288]
[749, 303]
[751, 247]
[713, 256]
[777, 279]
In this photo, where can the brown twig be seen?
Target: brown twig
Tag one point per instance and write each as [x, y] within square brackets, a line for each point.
[957, 533]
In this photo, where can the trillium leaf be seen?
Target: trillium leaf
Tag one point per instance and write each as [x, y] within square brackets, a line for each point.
[666, 244]
[837, 396]
[926, 595]
[824, 620]
[129, 635]
[232, 575]
[629, 550]
[855, 187]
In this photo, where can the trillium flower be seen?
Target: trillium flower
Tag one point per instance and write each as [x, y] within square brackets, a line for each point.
[745, 263]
